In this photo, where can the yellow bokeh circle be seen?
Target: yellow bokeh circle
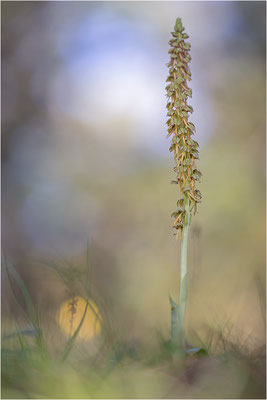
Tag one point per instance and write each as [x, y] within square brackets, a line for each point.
[73, 311]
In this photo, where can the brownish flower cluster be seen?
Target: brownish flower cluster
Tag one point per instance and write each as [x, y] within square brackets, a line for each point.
[184, 147]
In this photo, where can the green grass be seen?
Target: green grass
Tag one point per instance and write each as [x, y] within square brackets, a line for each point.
[108, 367]
[126, 371]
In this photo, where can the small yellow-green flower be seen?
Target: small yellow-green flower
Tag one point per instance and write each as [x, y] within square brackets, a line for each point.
[179, 128]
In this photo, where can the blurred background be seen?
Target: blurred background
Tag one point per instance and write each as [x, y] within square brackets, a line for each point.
[85, 159]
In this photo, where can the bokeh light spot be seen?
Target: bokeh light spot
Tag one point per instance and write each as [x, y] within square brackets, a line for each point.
[71, 313]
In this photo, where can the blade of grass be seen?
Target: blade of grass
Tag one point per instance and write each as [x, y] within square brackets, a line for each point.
[15, 296]
[88, 270]
[71, 341]
[19, 337]
[32, 315]
[261, 296]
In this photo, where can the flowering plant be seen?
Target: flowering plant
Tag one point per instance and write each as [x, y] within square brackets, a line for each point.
[185, 155]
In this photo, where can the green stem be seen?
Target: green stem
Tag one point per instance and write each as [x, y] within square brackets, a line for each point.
[183, 266]
[178, 310]
[74, 336]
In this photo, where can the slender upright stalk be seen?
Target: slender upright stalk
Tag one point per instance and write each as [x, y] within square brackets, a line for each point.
[185, 156]
[178, 310]
[183, 264]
